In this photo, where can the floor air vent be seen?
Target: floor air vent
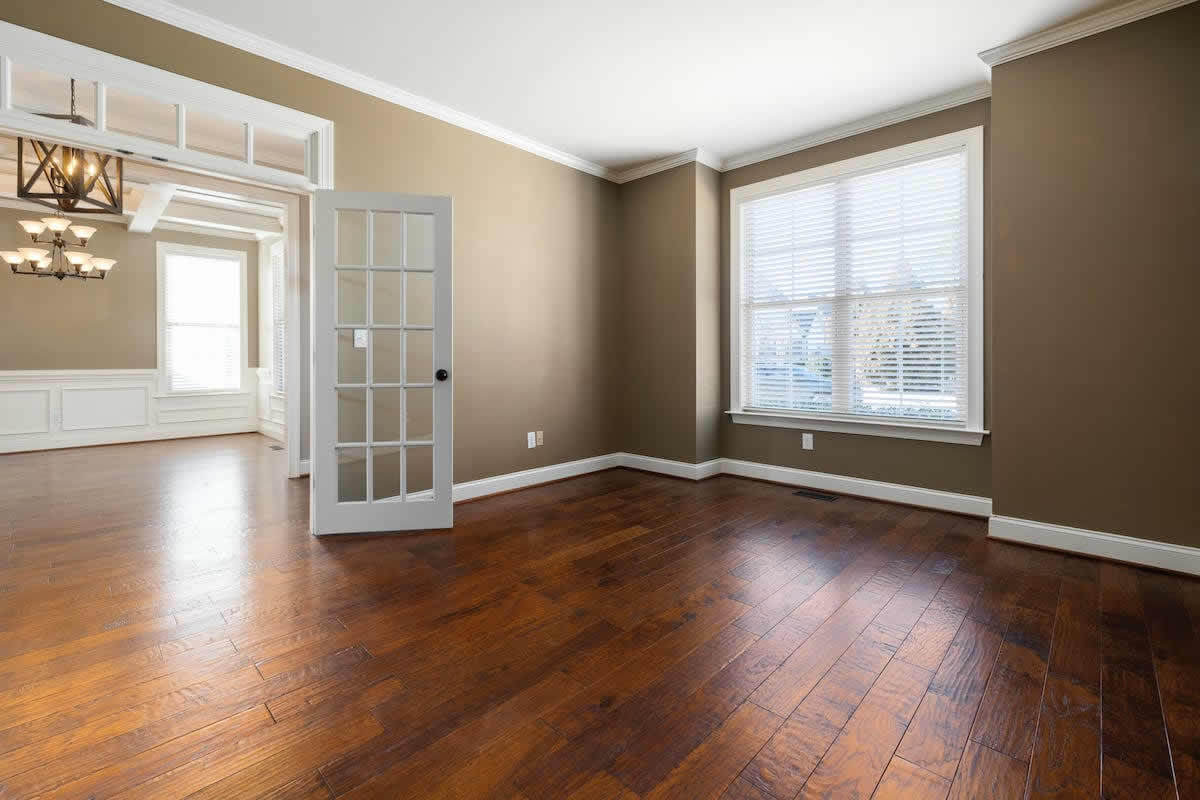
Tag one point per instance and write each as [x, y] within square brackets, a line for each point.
[815, 495]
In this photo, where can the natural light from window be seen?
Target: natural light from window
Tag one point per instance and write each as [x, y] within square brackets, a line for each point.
[202, 310]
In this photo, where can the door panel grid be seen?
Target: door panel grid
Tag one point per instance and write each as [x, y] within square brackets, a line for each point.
[385, 356]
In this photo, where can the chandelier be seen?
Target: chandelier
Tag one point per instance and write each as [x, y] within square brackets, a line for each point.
[55, 260]
[70, 179]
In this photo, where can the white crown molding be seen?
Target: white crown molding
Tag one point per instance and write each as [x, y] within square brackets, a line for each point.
[1162, 555]
[931, 105]
[696, 154]
[188, 20]
[1078, 29]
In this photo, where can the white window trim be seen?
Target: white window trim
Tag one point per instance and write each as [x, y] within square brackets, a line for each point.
[174, 248]
[104, 70]
[971, 141]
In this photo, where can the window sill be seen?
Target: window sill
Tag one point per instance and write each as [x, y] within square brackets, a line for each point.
[895, 430]
[214, 393]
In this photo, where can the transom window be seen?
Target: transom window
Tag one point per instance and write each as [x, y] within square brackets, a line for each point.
[857, 291]
[201, 318]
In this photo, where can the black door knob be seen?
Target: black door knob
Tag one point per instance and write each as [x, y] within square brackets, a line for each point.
[441, 374]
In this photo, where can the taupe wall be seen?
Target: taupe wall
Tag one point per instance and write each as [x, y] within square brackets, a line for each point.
[658, 392]
[109, 324]
[708, 314]
[934, 465]
[1096, 218]
[536, 260]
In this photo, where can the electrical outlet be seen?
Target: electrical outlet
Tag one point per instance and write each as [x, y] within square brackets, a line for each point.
[541, 440]
[531, 439]
[806, 441]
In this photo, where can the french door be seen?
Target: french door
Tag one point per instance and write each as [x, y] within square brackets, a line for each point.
[382, 386]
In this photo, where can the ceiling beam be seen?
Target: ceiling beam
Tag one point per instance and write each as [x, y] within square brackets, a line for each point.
[154, 201]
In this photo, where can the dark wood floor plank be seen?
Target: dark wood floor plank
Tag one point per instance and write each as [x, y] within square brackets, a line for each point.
[856, 761]
[1176, 648]
[1136, 759]
[986, 773]
[617, 636]
[905, 781]
[942, 724]
[1007, 716]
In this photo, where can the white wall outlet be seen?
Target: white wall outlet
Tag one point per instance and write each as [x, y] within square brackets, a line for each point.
[806, 441]
[541, 440]
[360, 338]
[531, 439]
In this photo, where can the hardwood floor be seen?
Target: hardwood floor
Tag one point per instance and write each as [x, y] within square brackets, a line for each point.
[169, 629]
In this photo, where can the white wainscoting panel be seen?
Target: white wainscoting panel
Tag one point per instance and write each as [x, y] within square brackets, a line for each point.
[93, 407]
[48, 409]
[24, 411]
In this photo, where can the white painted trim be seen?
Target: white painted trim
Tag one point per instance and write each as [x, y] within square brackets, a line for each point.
[921, 108]
[696, 154]
[861, 487]
[1078, 29]
[271, 429]
[135, 417]
[164, 249]
[969, 141]
[1161, 555]
[862, 427]
[678, 469]
[197, 23]
[105, 69]
[469, 490]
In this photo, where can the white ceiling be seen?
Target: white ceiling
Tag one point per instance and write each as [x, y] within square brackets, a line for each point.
[629, 81]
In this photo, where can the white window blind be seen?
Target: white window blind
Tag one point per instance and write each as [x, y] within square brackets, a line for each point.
[202, 322]
[855, 294]
[278, 317]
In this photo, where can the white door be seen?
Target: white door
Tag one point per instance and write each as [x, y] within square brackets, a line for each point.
[382, 378]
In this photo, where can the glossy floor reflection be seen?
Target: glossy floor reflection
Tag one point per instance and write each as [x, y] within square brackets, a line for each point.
[169, 629]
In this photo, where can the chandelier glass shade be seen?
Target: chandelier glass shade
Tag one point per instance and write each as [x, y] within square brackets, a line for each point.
[58, 257]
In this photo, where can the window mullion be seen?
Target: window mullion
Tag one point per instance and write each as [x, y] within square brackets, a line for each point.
[842, 311]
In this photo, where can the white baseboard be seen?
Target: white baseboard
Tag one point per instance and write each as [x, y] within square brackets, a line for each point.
[861, 487]
[678, 469]
[272, 429]
[1145, 552]
[878, 490]
[532, 477]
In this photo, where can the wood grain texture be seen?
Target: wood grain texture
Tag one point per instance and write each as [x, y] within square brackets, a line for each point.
[169, 629]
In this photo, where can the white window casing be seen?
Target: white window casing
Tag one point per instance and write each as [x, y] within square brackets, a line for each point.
[202, 319]
[856, 295]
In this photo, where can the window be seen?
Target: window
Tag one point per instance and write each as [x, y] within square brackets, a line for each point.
[278, 316]
[857, 294]
[201, 318]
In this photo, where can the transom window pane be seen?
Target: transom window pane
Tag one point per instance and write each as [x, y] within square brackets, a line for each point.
[854, 294]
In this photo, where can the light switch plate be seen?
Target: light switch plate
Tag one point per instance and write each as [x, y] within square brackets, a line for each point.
[360, 338]
[531, 438]
[540, 439]
[806, 441]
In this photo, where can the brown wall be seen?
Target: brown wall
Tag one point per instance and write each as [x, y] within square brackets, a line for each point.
[658, 394]
[934, 465]
[536, 259]
[1096, 212]
[109, 324]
